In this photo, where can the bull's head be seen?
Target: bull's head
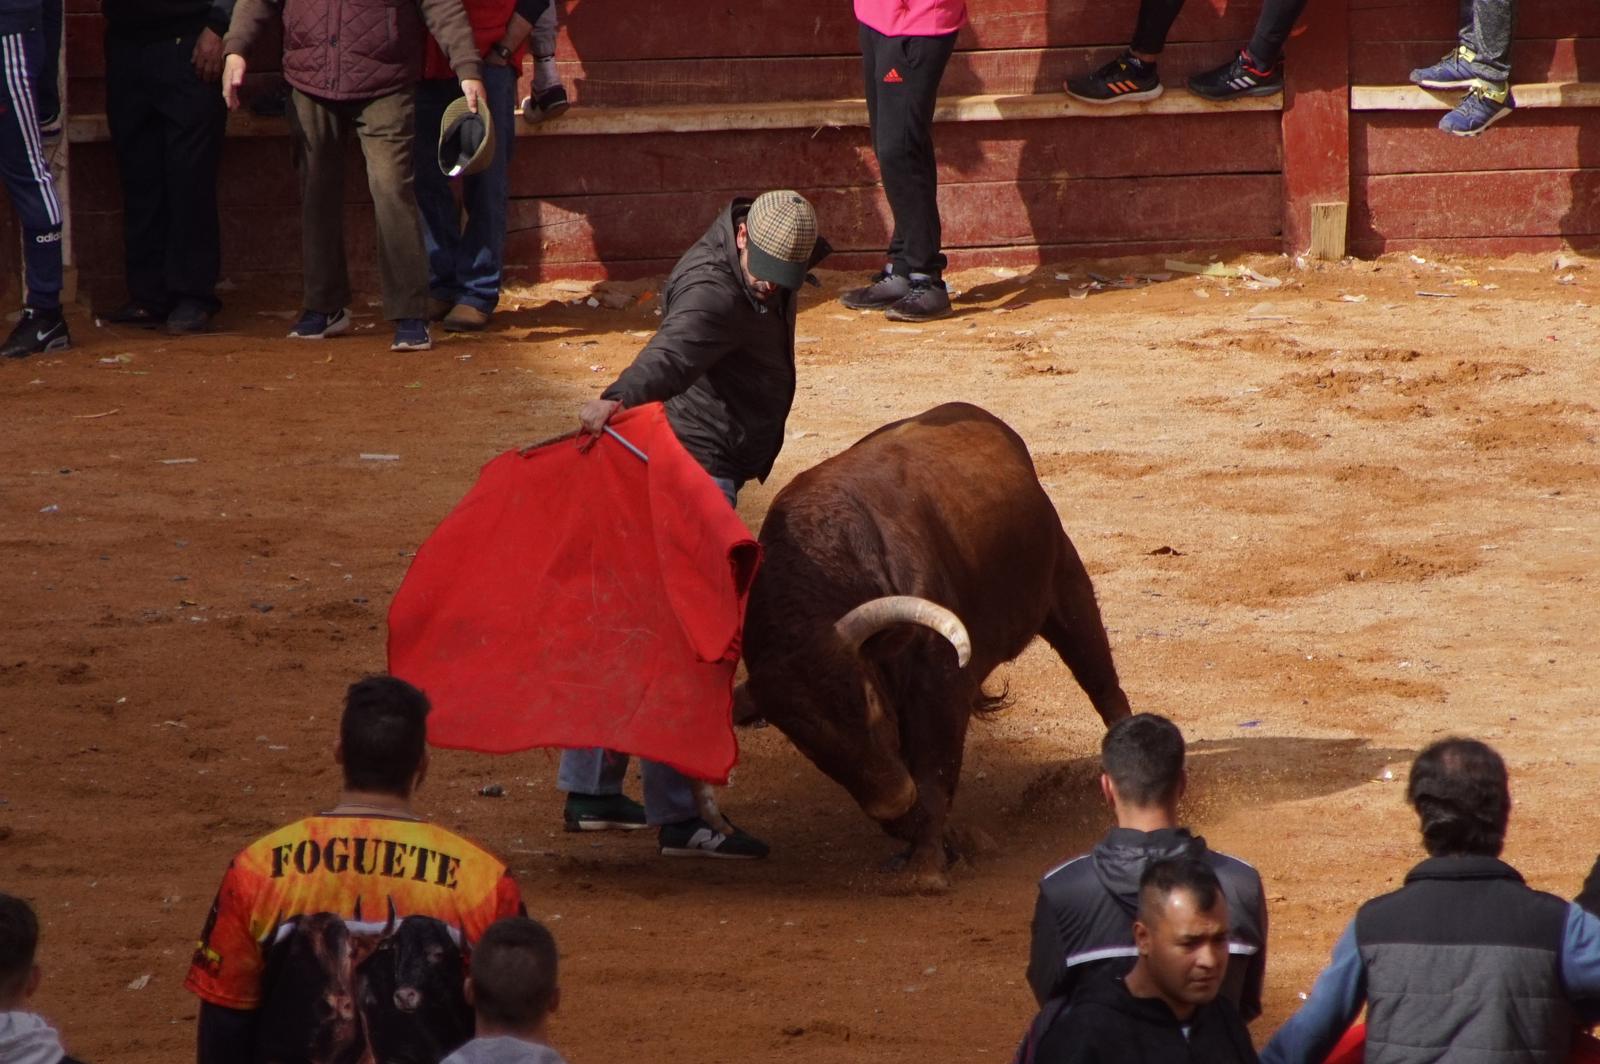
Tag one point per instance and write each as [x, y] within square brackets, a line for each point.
[830, 699]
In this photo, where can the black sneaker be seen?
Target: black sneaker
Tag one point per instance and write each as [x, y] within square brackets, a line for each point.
[1124, 78]
[602, 812]
[317, 325]
[885, 289]
[926, 301]
[1238, 77]
[38, 332]
[546, 106]
[189, 316]
[136, 314]
[50, 126]
[696, 838]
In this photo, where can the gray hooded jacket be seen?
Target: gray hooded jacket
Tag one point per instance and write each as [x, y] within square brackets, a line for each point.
[501, 1050]
[28, 1038]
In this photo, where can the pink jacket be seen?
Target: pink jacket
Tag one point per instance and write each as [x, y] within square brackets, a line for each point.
[912, 18]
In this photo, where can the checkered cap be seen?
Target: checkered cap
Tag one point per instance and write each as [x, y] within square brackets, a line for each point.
[783, 233]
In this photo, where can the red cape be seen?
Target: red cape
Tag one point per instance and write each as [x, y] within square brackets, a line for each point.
[583, 599]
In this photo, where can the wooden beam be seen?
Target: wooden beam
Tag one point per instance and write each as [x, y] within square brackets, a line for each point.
[1412, 98]
[1330, 223]
[782, 114]
[1316, 120]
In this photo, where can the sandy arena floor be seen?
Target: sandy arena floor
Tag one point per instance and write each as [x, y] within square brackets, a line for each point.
[1328, 521]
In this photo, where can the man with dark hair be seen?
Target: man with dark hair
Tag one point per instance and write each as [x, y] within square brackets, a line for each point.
[1168, 1006]
[365, 908]
[513, 991]
[1082, 922]
[25, 1037]
[1465, 962]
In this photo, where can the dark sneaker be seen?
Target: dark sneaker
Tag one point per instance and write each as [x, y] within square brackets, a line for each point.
[603, 812]
[1124, 78]
[926, 301]
[887, 288]
[1238, 77]
[546, 106]
[696, 838]
[1454, 71]
[136, 314]
[50, 127]
[38, 332]
[1482, 108]
[189, 316]
[411, 334]
[315, 325]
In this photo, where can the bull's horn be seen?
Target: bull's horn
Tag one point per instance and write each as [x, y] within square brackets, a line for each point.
[873, 616]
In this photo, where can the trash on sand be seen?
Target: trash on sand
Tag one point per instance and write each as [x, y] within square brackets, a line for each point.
[1063, 276]
[1211, 269]
[371, 457]
[179, 461]
[1155, 278]
[1201, 293]
[53, 508]
[1419, 260]
[1437, 295]
[116, 360]
[103, 413]
[1249, 724]
[1352, 299]
[592, 302]
[1568, 262]
[1259, 278]
[140, 983]
[1567, 278]
[1080, 292]
[1467, 282]
[1165, 550]
[492, 790]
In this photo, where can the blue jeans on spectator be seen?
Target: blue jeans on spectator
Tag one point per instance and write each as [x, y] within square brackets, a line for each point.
[668, 794]
[464, 261]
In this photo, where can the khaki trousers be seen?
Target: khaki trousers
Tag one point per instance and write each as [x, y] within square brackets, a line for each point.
[385, 127]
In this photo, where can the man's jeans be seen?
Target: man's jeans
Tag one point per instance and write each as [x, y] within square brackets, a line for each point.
[465, 261]
[1486, 29]
[668, 793]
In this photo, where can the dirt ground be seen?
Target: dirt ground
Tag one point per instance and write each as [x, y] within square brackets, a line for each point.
[1328, 521]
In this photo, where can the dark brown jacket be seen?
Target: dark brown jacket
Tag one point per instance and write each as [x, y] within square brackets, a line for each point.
[357, 49]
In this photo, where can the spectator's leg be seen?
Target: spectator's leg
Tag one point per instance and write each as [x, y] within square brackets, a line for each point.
[873, 45]
[487, 198]
[543, 45]
[26, 172]
[194, 122]
[388, 134]
[904, 143]
[1155, 22]
[1490, 39]
[136, 136]
[319, 136]
[47, 90]
[668, 795]
[436, 203]
[1273, 27]
[592, 771]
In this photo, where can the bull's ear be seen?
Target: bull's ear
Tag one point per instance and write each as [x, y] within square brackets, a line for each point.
[744, 705]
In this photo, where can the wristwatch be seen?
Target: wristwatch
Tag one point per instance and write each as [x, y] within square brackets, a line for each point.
[501, 50]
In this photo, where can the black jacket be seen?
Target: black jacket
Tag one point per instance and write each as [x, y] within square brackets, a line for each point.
[722, 361]
[1083, 919]
[1105, 1024]
[154, 19]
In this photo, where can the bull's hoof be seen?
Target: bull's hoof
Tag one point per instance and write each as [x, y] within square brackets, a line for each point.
[922, 874]
[931, 882]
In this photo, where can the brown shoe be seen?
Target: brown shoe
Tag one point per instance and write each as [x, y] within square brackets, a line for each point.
[463, 318]
[438, 308]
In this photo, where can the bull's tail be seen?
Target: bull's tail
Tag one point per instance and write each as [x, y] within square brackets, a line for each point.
[986, 704]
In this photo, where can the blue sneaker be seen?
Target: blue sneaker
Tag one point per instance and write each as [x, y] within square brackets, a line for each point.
[411, 334]
[315, 325]
[1454, 71]
[1482, 108]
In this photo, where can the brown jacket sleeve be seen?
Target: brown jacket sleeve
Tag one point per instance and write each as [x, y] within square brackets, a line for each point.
[447, 21]
[249, 17]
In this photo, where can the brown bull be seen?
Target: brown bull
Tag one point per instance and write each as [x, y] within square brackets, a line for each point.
[929, 534]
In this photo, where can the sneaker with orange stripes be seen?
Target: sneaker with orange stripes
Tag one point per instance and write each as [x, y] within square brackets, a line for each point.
[1124, 78]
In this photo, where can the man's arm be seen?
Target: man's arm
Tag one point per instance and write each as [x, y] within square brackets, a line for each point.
[226, 1036]
[248, 19]
[1047, 953]
[447, 21]
[691, 340]
[1580, 952]
[1335, 1002]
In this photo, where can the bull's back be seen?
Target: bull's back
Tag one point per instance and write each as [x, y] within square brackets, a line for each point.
[946, 505]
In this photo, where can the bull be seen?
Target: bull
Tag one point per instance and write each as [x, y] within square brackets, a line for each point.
[896, 576]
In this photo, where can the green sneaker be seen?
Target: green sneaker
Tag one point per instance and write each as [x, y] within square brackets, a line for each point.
[696, 838]
[603, 812]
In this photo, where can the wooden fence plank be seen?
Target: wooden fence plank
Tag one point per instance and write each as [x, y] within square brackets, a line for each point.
[1403, 142]
[1517, 203]
[1527, 96]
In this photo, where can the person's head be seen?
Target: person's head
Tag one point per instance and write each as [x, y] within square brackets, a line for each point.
[383, 737]
[1461, 794]
[513, 986]
[1141, 763]
[19, 941]
[776, 241]
[1182, 934]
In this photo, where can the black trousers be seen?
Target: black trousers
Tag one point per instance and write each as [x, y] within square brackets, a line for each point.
[1273, 26]
[167, 128]
[902, 78]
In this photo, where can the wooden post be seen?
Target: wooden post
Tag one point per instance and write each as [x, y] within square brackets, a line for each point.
[1329, 224]
[1316, 120]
